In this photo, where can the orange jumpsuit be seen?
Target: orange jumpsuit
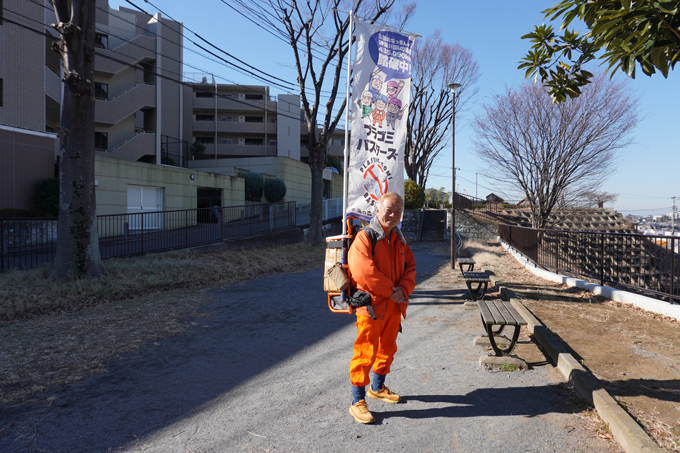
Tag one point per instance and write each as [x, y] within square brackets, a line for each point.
[391, 264]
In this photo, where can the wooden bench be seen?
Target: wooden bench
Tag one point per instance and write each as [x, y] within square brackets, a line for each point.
[500, 313]
[482, 281]
[469, 262]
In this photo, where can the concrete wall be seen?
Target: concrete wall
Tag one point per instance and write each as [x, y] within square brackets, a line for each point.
[26, 159]
[179, 190]
[22, 67]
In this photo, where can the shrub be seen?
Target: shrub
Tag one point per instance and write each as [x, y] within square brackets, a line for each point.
[254, 185]
[274, 189]
[414, 195]
[48, 196]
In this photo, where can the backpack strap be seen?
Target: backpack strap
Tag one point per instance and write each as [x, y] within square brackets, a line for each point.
[372, 235]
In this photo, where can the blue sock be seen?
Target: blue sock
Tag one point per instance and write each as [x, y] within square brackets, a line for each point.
[358, 394]
[378, 381]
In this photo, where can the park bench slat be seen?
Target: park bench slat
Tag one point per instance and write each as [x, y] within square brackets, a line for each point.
[466, 261]
[476, 277]
[513, 311]
[486, 314]
[502, 308]
[497, 317]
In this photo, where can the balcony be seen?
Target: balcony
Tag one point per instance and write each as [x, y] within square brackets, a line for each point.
[226, 151]
[234, 127]
[233, 105]
[52, 85]
[111, 111]
[139, 145]
[139, 48]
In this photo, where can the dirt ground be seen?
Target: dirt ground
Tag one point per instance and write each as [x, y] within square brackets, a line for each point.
[635, 354]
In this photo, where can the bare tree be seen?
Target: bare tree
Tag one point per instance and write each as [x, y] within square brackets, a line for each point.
[317, 31]
[77, 251]
[435, 65]
[594, 198]
[549, 150]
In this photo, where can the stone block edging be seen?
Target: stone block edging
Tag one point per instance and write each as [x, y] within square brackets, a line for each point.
[626, 431]
[617, 295]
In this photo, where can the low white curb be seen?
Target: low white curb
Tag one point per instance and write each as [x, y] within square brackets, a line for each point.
[643, 302]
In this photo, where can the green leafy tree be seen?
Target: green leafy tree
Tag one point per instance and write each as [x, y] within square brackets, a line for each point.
[436, 197]
[414, 195]
[274, 189]
[628, 32]
[254, 185]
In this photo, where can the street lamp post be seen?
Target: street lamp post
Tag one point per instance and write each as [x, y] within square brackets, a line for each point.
[453, 87]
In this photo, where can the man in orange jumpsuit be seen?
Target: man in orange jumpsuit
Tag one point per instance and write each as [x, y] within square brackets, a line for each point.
[388, 273]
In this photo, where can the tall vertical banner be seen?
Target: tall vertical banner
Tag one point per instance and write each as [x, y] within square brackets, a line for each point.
[380, 100]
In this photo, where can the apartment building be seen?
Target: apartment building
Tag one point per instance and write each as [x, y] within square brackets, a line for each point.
[239, 121]
[144, 113]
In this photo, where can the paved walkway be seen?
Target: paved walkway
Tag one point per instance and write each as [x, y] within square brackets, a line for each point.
[267, 370]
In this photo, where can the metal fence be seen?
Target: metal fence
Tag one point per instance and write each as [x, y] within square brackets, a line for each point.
[648, 264]
[28, 242]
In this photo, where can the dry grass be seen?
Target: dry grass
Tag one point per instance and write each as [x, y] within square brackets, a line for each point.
[27, 293]
[63, 332]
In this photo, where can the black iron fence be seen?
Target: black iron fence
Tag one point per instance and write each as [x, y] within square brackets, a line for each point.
[28, 242]
[648, 264]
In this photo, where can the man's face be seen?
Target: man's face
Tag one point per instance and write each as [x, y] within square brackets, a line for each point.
[366, 100]
[377, 84]
[393, 108]
[380, 105]
[391, 90]
[389, 214]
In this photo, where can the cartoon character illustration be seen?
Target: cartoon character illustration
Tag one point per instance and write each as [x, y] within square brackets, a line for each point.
[365, 104]
[375, 84]
[379, 111]
[393, 112]
[393, 89]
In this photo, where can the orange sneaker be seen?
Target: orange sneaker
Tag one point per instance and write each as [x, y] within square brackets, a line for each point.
[360, 412]
[384, 394]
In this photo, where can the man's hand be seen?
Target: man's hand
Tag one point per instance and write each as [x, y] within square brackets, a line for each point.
[398, 295]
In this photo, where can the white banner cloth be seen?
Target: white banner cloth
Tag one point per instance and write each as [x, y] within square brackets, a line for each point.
[380, 98]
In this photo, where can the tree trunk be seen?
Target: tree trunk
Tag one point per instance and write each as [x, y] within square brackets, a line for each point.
[77, 253]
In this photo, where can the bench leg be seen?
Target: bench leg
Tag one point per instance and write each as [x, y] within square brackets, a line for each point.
[471, 267]
[499, 352]
[477, 293]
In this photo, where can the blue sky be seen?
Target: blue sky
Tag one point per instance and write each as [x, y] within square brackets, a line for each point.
[645, 177]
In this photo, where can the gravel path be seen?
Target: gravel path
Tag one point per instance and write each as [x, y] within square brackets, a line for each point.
[266, 370]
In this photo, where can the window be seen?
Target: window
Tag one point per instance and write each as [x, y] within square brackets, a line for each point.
[228, 119]
[1, 10]
[101, 90]
[1, 85]
[272, 120]
[254, 142]
[254, 119]
[254, 97]
[226, 141]
[272, 142]
[204, 94]
[205, 118]
[101, 141]
[206, 140]
[100, 40]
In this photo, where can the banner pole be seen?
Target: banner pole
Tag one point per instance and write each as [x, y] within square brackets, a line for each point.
[347, 123]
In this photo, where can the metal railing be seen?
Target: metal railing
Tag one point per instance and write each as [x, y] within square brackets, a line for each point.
[648, 264]
[29, 242]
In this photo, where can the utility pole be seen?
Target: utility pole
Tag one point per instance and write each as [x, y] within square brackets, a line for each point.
[673, 216]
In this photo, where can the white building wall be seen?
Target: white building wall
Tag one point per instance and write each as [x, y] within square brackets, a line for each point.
[288, 126]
